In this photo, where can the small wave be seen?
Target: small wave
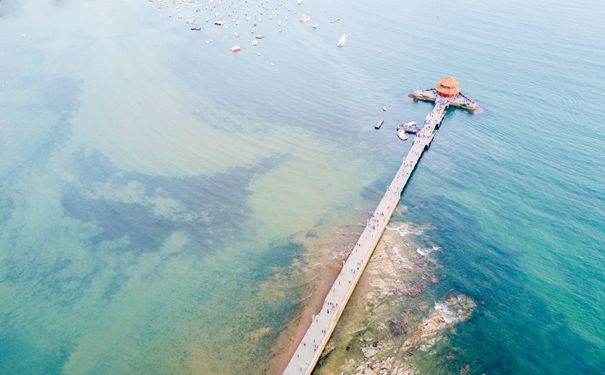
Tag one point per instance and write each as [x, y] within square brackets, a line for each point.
[449, 316]
[427, 251]
[402, 232]
[405, 262]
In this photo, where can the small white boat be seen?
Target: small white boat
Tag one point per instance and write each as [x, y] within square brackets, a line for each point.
[253, 30]
[219, 22]
[379, 123]
[342, 41]
[316, 26]
[255, 43]
[335, 20]
[235, 49]
[384, 109]
[259, 36]
[409, 127]
[401, 135]
[305, 18]
[299, 2]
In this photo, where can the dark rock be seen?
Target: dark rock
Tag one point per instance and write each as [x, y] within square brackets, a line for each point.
[396, 328]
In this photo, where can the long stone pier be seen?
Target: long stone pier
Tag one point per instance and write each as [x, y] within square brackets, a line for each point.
[324, 321]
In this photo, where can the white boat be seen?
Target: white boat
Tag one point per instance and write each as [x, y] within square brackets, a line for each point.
[235, 49]
[316, 26]
[409, 127]
[401, 135]
[342, 41]
[255, 43]
[379, 123]
[219, 22]
[259, 36]
[335, 20]
[305, 18]
[299, 2]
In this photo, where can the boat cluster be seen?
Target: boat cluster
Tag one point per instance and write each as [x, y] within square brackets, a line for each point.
[402, 130]
[407, 128]
[244, 17]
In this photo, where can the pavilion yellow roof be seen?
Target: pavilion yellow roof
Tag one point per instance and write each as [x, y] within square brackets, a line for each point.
[448, 86]
[449, 82]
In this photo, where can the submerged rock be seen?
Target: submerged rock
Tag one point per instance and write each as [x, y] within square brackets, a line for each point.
[446, 313]
[396, 327]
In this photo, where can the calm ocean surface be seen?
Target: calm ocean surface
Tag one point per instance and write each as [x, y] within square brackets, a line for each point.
[153, 187]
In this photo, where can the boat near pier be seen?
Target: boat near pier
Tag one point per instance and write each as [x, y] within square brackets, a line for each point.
[409, 127]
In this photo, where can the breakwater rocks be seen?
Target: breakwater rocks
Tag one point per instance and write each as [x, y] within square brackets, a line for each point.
[445, 313]
[392, 316]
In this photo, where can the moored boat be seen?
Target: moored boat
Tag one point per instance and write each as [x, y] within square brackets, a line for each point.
[401, 135]
[342, 41]
[379, 123]
[410, 127]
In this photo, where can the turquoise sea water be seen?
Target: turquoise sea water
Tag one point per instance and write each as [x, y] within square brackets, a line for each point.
[154, 189]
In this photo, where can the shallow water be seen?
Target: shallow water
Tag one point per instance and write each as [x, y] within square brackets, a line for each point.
[151, 184]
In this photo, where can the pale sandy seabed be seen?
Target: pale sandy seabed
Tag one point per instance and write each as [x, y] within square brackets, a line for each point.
[392, 324]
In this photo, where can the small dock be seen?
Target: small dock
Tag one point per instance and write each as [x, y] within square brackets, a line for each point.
[324, 321]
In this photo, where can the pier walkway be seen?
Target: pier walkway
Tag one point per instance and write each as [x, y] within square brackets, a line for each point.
[324, 321]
